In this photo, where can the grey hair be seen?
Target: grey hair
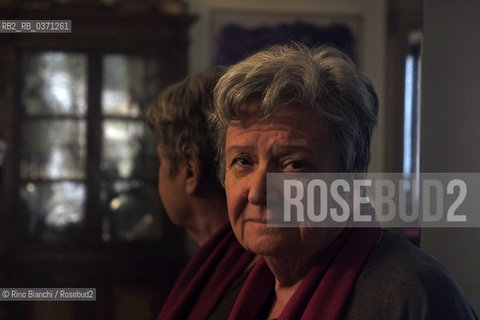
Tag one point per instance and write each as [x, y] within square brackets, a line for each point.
[321, 80]
[179, 118]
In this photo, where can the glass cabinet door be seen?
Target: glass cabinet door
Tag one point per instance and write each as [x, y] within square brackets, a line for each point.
[53, 145]
[128, 160]
[53, 152]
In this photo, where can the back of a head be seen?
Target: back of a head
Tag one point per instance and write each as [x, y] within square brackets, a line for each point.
[179, 116]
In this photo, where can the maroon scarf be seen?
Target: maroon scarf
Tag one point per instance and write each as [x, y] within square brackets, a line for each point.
[206, 277]
[325, 288]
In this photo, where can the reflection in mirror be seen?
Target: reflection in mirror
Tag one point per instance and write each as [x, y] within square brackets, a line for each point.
[129, 84]
[128, 149]
[54, 212]
[53, 149]
[131, 211]
[54, 83]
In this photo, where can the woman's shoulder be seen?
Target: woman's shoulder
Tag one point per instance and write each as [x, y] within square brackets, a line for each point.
[397, 256]
[400, 281]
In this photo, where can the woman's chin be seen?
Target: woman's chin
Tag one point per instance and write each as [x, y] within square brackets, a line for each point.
[266, 245]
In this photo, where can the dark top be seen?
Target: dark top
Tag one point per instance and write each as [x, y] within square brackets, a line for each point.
[400, 282]
[224, 307]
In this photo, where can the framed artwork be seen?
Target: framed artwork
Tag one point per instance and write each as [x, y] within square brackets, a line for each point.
[237, 34]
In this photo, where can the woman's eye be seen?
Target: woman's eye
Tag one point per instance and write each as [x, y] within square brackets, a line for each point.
[294, 165]
[242, 162]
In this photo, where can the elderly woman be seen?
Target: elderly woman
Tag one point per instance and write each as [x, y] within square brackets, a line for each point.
[292, 109]
[194, 199]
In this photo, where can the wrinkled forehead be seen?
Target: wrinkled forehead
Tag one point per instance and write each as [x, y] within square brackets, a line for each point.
[299, 123]
[288, 132]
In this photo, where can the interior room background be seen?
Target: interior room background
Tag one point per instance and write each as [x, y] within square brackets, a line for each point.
[79, 206]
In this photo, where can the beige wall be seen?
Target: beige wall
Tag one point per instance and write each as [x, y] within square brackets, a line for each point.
[366, 16]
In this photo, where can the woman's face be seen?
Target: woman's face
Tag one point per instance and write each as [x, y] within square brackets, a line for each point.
[293, 140]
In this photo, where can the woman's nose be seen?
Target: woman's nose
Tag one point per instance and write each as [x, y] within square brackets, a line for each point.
[257, 193]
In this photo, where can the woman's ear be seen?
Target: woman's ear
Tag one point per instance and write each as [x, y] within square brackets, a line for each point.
[192, 174]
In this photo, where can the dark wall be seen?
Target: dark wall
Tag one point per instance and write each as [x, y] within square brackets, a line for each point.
[450, 124]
